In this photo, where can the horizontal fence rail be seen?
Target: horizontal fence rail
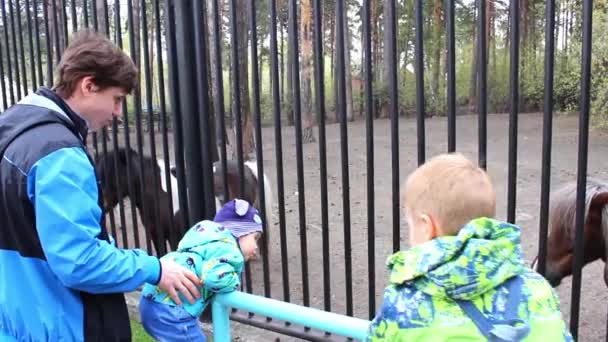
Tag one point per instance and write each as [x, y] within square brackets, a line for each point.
[309, 317]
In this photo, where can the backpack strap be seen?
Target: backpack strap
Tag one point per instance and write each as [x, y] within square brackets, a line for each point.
[511, 328]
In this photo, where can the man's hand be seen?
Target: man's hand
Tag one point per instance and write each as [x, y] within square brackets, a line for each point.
[175, 278]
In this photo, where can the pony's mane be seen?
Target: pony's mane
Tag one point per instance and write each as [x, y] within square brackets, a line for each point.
[562, 212]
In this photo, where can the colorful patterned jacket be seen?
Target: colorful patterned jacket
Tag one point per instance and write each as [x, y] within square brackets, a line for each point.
[428, 282]
[210, 251]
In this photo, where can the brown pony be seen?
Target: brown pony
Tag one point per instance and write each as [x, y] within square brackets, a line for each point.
[562, 218]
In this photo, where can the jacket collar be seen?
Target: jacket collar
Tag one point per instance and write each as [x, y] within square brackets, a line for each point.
[79, 123]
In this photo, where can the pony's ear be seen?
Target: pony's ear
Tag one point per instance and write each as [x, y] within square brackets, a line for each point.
[599, 201]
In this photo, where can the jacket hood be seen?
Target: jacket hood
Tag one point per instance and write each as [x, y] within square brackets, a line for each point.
[483, 255]
[203, 233]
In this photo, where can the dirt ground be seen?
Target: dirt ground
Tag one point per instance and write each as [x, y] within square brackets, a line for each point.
[593, 312]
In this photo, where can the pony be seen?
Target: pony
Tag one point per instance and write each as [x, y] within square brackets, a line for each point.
[115, 186]
[118, 184]
[250, 191]
[562, 226]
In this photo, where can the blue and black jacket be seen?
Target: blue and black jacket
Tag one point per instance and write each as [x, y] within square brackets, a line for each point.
[61, 275]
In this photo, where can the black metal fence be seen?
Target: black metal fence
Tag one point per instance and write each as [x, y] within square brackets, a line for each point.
[182, 36]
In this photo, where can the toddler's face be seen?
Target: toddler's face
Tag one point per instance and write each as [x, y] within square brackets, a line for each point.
[249, 245]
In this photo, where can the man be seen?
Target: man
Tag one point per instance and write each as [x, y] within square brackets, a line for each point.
[61, 275]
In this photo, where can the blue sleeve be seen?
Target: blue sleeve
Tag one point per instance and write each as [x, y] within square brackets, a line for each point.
[63, 190]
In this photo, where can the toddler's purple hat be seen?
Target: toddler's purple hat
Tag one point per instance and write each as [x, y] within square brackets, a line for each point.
[240, 217]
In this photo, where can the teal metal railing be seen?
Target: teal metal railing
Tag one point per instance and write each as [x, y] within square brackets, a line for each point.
[309, 317]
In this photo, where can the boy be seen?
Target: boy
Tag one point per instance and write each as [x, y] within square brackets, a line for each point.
[216, 251]
[464, 277]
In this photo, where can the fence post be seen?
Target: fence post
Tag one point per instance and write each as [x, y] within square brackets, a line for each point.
[221, 322]
[190, 107]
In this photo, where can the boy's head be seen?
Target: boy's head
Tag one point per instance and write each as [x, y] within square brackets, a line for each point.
[244, 222]
[443, 194]
[94, 76]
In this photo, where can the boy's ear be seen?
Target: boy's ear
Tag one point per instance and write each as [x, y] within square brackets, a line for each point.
[430, 227]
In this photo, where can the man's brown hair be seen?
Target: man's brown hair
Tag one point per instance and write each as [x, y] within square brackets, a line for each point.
[92, 54]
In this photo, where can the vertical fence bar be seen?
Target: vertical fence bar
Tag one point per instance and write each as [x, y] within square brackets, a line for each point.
[2, 84]
[85, 13]
[547, 137]
[38, 50]
[163, 121]
[483, 84]
[104, 133]
[64, 14]
[204, 110]
[420, 113]
[49, 44]
[257, 117]
[278, 143]
[106, 17]
[95, 19]
[190, 120]
[104, 144]
[219, 87]
[514, 83]
[394, 109]
[176, 113]
[74, 15]
[236, 103]
[56, 31]
[127, 135]
[115, 161]
[341, 50]
[369, 132]
[104, 130]
[8, 55]
[148, 84]
[320, 102]
[295, 70]
[583, 142]
[144, 209]
[451, 66]
[15, 49]
[236, 108]
[21, 47]
[31, 45]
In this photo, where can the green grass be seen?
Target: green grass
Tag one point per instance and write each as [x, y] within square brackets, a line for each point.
[140, 335]
[138, 332]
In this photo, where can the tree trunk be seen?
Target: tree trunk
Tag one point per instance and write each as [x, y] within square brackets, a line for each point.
[243, 86]
[289, 109]
[438, 26]
[376, 55]
[306, 71]
[347, 68]
[211, 104]
[384, 110]
[473, 84]
[491, 37]
[101, 12]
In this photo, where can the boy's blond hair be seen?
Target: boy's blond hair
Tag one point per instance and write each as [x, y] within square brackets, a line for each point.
[451, 189]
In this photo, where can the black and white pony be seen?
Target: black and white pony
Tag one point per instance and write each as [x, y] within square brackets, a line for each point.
[115, 187]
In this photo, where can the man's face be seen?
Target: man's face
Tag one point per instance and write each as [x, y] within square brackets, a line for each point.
[101, 106]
